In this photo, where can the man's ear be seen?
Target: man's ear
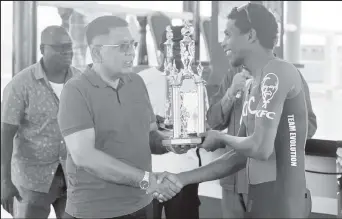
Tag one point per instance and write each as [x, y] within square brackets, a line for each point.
[252, 36]
[42, 49]
[96, 54]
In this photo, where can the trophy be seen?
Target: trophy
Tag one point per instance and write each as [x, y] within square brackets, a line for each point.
[186, 105]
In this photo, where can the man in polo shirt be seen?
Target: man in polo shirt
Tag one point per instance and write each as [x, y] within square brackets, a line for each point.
[33, 151]
[109, 127]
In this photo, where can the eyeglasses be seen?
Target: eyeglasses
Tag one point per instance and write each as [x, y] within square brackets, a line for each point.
[245, 8]
[124, 47]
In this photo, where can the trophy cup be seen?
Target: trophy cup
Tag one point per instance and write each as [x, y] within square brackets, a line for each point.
[186, 107]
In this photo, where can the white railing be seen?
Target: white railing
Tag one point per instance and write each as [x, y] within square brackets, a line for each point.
[114, 9]
[332, 62]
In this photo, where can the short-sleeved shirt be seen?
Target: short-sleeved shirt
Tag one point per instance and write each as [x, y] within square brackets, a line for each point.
[38, 148]
[121, 118]
[279, 181]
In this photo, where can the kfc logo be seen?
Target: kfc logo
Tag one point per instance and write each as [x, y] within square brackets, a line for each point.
[269, 86]
[258, 113]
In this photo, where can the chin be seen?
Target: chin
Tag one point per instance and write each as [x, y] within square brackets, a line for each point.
[127, 70]
[237, 62]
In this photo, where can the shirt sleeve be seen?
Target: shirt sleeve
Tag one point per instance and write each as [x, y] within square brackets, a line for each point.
[74, 113]
[216, 117]
[13, 104]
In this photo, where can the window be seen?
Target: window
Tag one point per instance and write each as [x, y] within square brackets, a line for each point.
[6, 42]
[46, 16]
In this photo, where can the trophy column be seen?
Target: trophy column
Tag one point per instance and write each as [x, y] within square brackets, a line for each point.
[186, 126]
[177, 132]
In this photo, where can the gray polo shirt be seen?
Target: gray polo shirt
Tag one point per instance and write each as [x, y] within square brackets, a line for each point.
[121, 118]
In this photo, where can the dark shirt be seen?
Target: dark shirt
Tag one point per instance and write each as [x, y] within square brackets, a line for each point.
[121, 118]
[219, 120]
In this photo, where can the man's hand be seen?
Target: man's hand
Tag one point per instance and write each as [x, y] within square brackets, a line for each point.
[238, 83]
[8, 192]
[179, 149]
[211, 140]
[164, 190]
[167, 178]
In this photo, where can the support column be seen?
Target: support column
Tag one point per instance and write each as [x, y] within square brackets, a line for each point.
[143, 57]
[196, 24]
[187, 6]
[332, 75]
[293, 21]
[24, 35]
[65, 14]
[77, 25]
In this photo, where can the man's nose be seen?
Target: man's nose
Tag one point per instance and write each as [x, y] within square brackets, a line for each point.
[223, 43]
[130, 51]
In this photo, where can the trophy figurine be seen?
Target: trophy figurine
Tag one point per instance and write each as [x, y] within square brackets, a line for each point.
[186, 107]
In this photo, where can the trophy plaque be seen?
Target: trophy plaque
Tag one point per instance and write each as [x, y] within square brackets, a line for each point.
[186, 105]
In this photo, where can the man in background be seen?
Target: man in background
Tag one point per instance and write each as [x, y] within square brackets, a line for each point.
[33, 150]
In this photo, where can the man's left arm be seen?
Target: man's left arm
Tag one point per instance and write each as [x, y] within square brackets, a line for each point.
[312, 122]
[156, 138]
[280, 80]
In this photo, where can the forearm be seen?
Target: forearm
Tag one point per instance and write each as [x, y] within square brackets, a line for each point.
[226, 165]
[156, 138]
[6, 157]
[312, 125]
[110, 169]
[246, 146]
[219, 113]
[6, 153]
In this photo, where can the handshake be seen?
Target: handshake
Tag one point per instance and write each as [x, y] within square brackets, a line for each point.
[164, 186]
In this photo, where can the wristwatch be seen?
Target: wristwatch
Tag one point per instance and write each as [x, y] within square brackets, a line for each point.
[145, 182]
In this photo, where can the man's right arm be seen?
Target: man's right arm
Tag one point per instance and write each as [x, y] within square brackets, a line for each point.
[76, 124]
[220, 107]
[81, 146]
[12, 111]
[8, 132]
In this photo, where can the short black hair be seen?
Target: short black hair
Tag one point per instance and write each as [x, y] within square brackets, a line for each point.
[102, 25]
[177, 36]
[262, 21]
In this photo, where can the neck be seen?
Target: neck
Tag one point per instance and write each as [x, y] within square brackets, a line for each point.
[53, 71]
[257, 60]
[103, 72]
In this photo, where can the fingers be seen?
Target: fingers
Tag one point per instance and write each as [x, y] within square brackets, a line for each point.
[203, 134]
[172, 186]
[174, 179]
[8, 205]
[17, 195]
[181, 149]
[161, 177]
[160, 197]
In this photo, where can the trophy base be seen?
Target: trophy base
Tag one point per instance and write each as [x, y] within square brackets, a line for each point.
[182, 141]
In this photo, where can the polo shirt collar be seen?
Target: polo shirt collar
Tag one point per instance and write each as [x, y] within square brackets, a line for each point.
[97, 81]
